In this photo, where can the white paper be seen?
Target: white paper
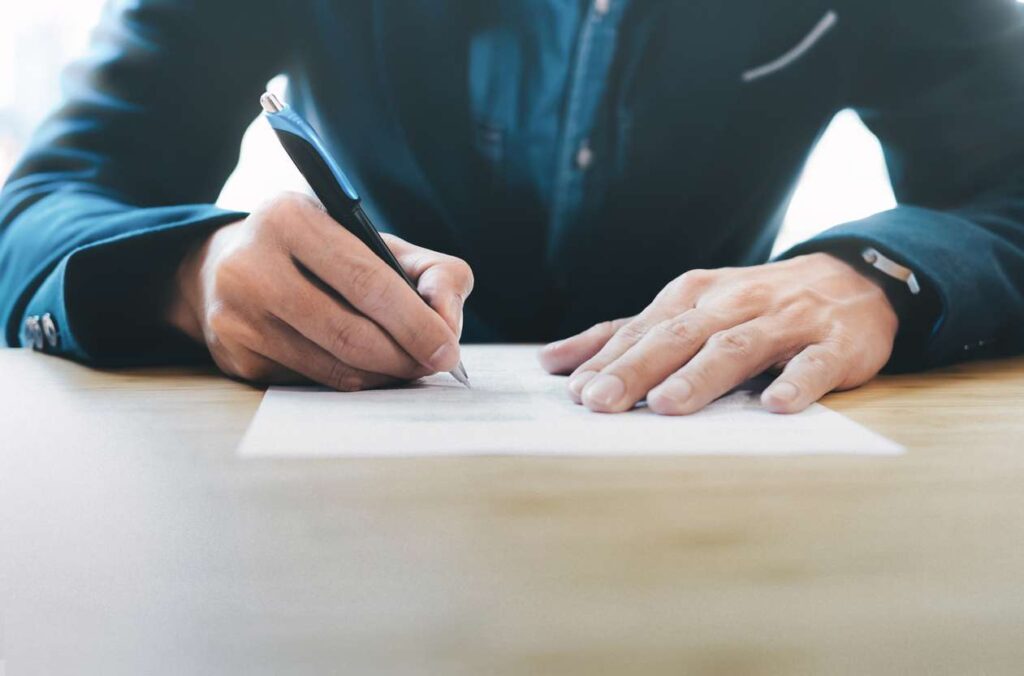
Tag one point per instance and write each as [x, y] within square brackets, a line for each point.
[515, 408]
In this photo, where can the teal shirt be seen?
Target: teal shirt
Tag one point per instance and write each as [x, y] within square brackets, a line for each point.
[578, 155]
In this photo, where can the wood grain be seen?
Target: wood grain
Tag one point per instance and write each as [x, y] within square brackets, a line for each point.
[138, 542]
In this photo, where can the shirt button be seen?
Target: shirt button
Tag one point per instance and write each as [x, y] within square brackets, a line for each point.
[584, 157]
[601, 7]
[49, 330]
[34, 332]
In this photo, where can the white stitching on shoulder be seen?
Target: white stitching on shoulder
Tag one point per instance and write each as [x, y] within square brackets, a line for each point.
[827, 23]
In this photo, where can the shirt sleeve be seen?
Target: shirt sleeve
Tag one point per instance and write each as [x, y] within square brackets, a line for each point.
[941, 85]
[122, 178]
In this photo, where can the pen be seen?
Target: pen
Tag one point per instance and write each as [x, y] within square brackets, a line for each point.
[331, 186]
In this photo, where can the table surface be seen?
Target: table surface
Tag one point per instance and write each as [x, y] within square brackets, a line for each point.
[138, 542]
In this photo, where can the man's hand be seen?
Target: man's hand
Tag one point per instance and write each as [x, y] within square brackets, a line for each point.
[824, 324]
[288, 295]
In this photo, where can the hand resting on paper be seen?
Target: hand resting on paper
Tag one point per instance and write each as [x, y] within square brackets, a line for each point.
[815, 318]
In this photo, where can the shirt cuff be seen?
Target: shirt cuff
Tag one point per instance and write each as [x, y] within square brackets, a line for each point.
[919, 314]
[102, 303]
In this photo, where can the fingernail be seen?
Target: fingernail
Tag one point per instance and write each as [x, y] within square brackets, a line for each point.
[675, 393]
[605, 390]
[784, 393]
[578, 382]
[442, 358]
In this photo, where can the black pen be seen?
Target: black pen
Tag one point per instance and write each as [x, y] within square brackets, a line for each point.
[331, 186]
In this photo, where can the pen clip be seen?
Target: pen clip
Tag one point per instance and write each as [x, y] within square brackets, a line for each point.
[285, 120]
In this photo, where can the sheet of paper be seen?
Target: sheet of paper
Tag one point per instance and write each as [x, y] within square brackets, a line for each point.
[515, 408]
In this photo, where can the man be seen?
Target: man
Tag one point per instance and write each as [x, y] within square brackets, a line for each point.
[596, 163]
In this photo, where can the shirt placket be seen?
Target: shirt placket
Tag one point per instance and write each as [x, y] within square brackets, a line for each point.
[587, 83]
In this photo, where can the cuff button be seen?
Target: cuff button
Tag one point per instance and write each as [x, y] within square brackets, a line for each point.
[50, 332]
[34, 332]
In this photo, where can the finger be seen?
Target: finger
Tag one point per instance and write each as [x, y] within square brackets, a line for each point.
[565, 355]
[727, 359]
[232, 354]
[239, 362]
[809, 376]
[445, 288]
[330, 322]
[678, 296]
[256, 369]
[287, 348]
[662, 350]
[625, 337]
[338, 258]
[444, 281]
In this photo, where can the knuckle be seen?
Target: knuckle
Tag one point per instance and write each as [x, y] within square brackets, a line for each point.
[222, 359]
[678, 329]
[344, 379]
[801, 311]
[841, 340]
[409, 370]
[632, 332]
[252, 369]
[369, 286]
[752, 294]
[696, 278]
[808, 305]
[825, 365]
[686, 284]
[289, 202]
[347, 338]
[808, 295]
[605, 328]
[466, 273]
[220, 320]
[698, 377]
[420, 341]
[818, 361]
[277, 214]
[735, 343]
[224, 325]
[231, 275]
[460, 272]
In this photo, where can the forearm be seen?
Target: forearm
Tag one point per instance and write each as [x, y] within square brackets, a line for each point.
[123, 176]
[100, 268]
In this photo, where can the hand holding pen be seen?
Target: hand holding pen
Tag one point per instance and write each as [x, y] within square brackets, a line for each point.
[332, 186]
[287, 295]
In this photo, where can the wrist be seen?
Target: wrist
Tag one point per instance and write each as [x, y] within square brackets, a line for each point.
[916, 313]
[183, 300]
[896, 292]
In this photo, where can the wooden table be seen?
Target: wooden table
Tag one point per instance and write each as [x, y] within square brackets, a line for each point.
[138, 543]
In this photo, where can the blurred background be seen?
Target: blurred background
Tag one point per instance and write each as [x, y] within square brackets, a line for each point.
[845, 178]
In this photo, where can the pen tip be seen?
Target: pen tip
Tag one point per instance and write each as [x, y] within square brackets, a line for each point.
[459, 373]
